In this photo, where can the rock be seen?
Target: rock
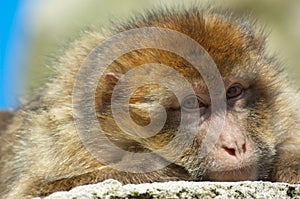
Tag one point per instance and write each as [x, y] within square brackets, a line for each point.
[113, 189]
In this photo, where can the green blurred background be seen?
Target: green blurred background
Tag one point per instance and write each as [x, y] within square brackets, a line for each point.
[52, 24]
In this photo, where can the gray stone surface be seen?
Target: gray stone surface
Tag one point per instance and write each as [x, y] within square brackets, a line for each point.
[112, 189]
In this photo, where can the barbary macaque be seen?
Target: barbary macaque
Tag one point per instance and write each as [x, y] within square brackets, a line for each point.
[42, 151]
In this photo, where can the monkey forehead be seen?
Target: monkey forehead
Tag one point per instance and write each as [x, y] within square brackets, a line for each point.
[227, 39]
[140, 57]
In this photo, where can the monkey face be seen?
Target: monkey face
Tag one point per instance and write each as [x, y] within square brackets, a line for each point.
[237, 151]
[243, 142]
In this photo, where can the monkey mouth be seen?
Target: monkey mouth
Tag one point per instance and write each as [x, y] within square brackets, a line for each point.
[240, 174]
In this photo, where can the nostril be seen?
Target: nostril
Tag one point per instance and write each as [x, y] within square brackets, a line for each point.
[230, 151]
[244, 148]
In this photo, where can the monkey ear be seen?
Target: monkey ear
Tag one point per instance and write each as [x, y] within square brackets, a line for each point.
[113, 78]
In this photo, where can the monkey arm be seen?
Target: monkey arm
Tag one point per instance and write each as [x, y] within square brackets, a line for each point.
[48, 186]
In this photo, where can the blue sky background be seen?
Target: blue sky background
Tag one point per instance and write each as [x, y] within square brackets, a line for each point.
[12, 45]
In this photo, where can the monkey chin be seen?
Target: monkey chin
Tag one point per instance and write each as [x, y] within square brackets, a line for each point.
[247, 173]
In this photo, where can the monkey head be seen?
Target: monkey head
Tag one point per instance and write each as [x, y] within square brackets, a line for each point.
[244, 145]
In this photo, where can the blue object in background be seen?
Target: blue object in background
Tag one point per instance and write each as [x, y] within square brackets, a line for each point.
[12, 55]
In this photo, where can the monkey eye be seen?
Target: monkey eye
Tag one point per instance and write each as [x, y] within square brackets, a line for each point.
[192, 103]
[234, 91]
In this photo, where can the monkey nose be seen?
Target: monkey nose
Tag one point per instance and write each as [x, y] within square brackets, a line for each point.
[236, 150]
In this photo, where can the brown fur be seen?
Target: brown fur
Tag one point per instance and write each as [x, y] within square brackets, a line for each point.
[41, 152]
